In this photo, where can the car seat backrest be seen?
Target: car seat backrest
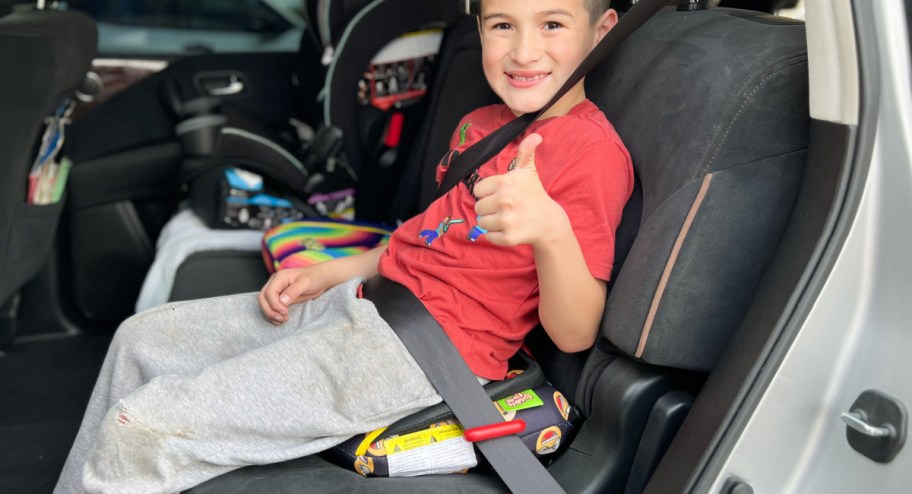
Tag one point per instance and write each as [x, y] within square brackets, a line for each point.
[308, 71]
[44, 57]
[459, 86]
[718, 140]
[376, 25]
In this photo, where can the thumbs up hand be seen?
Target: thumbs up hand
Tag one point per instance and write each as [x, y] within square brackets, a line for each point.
[514, 207]
[525, 155]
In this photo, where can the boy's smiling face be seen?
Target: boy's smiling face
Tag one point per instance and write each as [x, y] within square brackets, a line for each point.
[530, 47]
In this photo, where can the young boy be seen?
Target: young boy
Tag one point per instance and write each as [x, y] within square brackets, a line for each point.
[191, 390]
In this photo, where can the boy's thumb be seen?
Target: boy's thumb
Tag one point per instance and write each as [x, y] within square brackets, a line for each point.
[525, 156]
[293, 291]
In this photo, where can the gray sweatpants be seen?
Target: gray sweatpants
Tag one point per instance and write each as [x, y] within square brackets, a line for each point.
[191, 390]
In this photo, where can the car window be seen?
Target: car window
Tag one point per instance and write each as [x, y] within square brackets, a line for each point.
[183, 27]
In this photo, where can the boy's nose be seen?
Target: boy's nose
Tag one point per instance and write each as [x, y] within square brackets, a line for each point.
[527, 49]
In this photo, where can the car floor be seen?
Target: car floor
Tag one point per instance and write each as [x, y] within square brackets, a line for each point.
[45, 384]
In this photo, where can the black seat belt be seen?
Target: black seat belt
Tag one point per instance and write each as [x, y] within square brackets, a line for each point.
[451, 377]
[429, 345]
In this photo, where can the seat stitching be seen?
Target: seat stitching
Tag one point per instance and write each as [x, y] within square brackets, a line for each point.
[794, 62]
[789, 61]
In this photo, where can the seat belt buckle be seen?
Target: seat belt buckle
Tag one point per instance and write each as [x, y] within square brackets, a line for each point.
[493, 431]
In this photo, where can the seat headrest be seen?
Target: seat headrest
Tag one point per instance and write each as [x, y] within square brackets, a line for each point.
[713, 106]
[55, 48]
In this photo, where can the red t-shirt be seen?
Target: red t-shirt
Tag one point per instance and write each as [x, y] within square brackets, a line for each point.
[486, 296]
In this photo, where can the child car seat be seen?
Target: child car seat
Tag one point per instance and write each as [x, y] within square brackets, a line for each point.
[354, 51]
[719, 145]
[291, 165]
[214, 134]
[213, 137]
[365, 128]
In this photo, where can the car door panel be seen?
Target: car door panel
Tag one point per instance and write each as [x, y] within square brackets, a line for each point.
[126, 179]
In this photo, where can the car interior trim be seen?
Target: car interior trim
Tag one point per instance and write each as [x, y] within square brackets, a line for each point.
[833, 62]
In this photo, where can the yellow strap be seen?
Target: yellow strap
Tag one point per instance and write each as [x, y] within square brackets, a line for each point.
[368, 439]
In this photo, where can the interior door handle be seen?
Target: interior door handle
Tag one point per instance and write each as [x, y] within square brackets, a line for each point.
[234, 86]
[220, 85]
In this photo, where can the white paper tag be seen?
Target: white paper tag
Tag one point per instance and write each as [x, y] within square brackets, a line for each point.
[447, 456]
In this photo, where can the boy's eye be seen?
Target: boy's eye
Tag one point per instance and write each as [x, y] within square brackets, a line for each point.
[553, 25]
[501, 26]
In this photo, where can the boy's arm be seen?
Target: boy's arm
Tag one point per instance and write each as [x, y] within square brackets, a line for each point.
[571, 299]
[516, 209]
[292, 286]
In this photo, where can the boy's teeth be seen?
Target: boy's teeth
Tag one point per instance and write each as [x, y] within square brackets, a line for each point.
[533, 78]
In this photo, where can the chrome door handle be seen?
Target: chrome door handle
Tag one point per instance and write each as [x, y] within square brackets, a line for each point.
[234, 86]
[858, 420]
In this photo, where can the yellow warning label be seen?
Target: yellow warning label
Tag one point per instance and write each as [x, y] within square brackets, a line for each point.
[422, 438]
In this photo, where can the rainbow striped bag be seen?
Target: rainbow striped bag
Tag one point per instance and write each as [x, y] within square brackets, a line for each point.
[304, 243]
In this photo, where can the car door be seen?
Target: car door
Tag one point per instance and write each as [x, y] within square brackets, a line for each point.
[157, 59]
[829, 412]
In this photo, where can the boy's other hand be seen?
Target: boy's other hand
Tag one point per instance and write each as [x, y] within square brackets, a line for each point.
[286, 287]
[514, 207]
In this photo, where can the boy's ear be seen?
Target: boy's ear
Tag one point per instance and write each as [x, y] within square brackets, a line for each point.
[478, 23]
[605, 23]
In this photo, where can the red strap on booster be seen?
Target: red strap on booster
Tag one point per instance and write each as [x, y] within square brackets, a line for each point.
[493, 431]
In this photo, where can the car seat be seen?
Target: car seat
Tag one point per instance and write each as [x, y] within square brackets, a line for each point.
[45, 56]
[379, 164]
[354, 48]
[215, 134]
[459, 68]
[718, 141]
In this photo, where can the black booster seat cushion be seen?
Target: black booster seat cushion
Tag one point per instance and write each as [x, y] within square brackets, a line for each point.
[431, 440]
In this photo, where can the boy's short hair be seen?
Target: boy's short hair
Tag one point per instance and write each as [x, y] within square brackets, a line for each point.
[595, 7]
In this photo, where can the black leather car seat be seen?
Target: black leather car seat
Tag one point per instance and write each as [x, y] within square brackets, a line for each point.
[44, 56]
[719, 142]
